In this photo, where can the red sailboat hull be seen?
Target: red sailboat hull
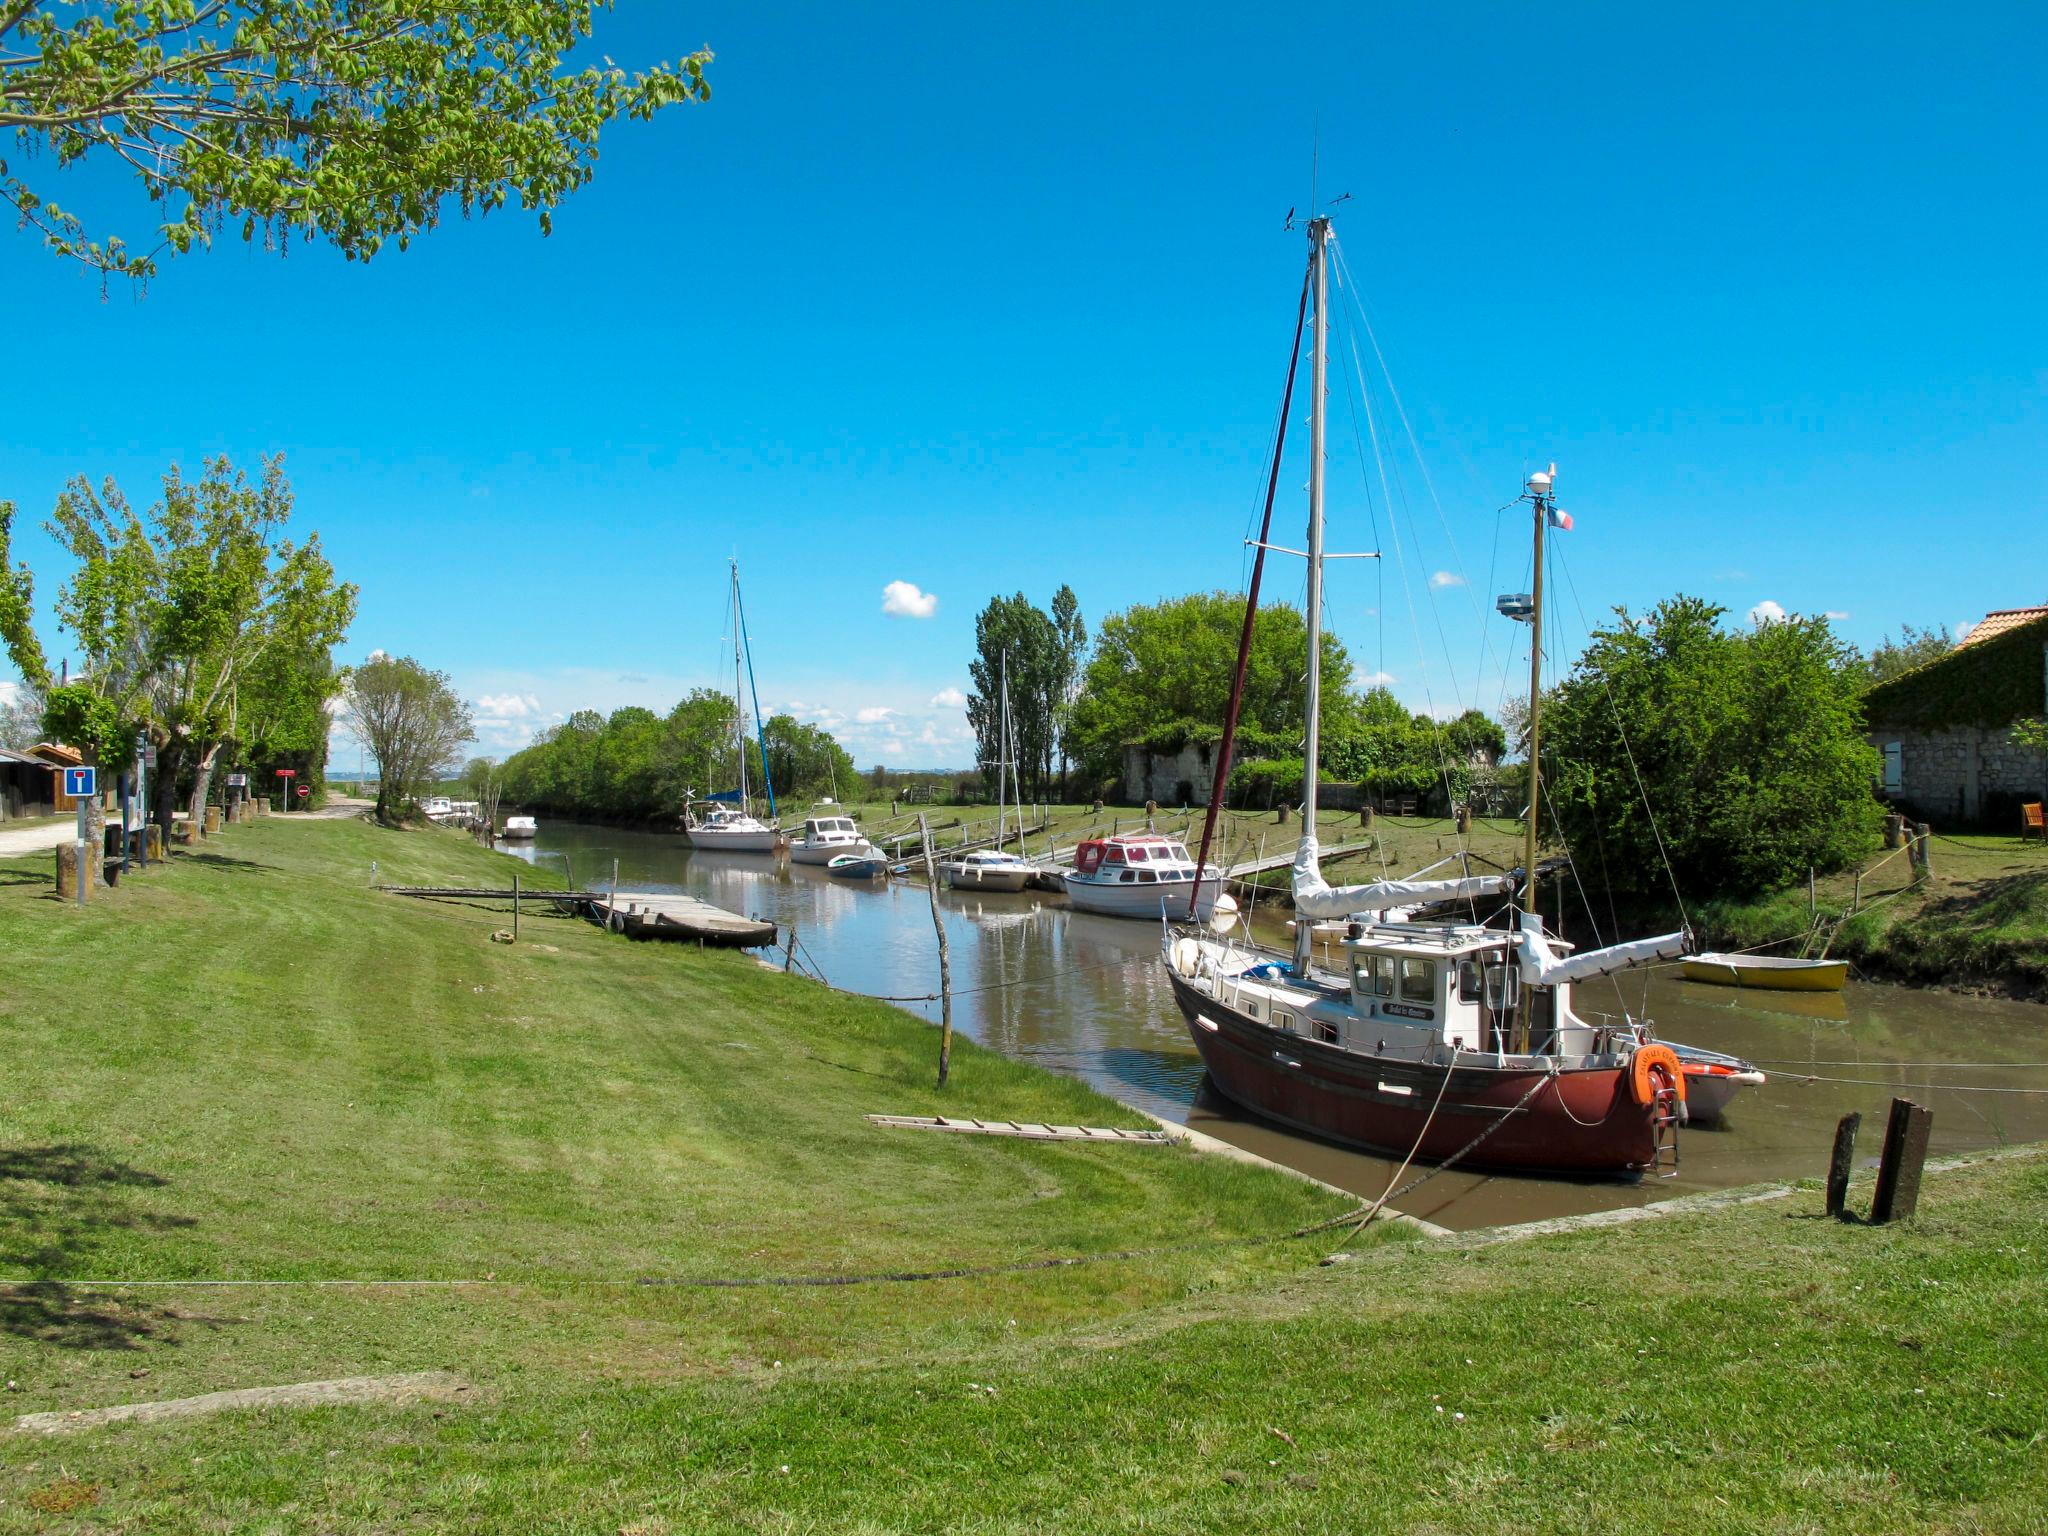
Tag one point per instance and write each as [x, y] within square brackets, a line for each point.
[1584, 1122]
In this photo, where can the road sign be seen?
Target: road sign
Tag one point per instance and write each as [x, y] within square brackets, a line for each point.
[149, 755]
[287, 773]
[304, 791]
[238, 781]
[80, 783]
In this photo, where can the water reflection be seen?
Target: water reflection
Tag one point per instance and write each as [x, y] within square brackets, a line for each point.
[1084, 995]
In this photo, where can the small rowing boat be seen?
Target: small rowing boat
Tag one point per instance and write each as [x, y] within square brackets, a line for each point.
[1772, 973]
[857, 866]
[1712, 1078]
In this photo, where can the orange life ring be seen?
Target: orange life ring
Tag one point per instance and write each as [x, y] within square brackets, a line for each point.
[1644, 1064]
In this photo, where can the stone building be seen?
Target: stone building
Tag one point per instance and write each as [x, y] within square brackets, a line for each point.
[1945, 729]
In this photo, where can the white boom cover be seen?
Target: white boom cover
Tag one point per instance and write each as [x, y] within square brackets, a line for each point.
[1544, 967]
[1316, 897]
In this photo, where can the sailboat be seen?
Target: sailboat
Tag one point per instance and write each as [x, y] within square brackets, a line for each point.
[994, 869]
[725, 822]
[1444, 1041]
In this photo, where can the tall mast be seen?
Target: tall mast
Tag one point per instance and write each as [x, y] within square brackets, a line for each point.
[1319, 374]
[1002, 752]
[739, 708]
[1540, 498]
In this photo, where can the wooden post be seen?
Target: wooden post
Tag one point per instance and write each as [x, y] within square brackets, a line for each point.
[69, 867]
[1280, 813]
[1905, 1154]
[1841, 1162]
[1812, 896]
[931, 879]
[1151, 813]
[1925, 834]
[1464, 821]
[1894, 831]
[1365, 815]
[789, 951]
[515, 909]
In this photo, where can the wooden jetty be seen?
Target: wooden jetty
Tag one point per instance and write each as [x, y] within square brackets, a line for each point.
[1027, 1129]
[660, 915]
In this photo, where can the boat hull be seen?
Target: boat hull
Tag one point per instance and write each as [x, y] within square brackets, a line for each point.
[716, 840]
[1583, 1122]
[824, 853]
[974, 877]
[517, 835]
[1775, 976]
[1143, 901]
[852, 867]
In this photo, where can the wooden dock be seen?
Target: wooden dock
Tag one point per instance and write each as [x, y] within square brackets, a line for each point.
[661, 915]
[1026, 1129]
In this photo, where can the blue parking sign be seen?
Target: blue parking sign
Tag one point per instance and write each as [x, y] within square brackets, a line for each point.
[81, 783]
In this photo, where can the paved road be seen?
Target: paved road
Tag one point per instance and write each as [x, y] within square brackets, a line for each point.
[37, 837]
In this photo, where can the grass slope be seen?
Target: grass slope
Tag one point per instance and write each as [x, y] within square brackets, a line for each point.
[249, 1065]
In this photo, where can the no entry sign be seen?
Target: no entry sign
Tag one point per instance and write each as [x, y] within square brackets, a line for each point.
[304, 791]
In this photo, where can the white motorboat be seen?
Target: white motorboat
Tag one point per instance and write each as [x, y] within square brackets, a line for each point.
[825, 838]
[438, 808]
[721, 829]
[1712, 1079]
[520, 828]
[988, 870]
[1139, 875]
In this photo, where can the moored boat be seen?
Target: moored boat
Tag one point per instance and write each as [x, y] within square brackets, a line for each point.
[1772, 973]
[826, 837]
[857, 866]
[721, 829]
[520, 828]
[1712, 1079]
[988, 870]
[1138, 875]
[726, 823]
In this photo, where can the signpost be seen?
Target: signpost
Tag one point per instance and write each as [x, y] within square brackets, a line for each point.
[145, 759]
[304, 791]
[82, 784]
[287, 773]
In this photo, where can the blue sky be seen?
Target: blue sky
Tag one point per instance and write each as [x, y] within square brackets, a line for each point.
[925, 295]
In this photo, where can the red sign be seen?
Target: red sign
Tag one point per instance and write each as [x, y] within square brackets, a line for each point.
[304, 791]
[287, 773]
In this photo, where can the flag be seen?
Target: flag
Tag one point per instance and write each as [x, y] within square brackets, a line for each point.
[1560, 519]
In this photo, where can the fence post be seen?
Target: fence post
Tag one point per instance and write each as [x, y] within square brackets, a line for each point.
[1841, 1161]
[1905, 1154]
[1925, 834]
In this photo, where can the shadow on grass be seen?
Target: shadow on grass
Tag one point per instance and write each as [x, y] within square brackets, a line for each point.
[57, 1203]
[26, 877]
[220, 861]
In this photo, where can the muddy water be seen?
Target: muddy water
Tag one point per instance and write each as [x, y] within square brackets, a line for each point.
[1085, 995]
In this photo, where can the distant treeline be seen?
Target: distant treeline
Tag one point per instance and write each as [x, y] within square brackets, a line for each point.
[637, 764]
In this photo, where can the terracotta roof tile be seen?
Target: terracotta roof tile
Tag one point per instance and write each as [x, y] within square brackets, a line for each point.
[2000, 620]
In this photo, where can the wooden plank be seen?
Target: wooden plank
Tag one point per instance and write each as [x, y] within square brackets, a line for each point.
[1024, 1130]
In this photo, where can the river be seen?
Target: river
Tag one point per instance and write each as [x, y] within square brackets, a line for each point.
[1085, 995]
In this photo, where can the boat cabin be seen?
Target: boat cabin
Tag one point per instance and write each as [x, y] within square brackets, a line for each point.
[1144, 859]
[831, 829]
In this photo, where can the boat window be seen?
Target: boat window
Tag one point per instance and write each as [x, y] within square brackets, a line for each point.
[1115, 855]
[1376, 975]
[1418, 981]
[1469, 981]
[1137, 855]
[1128, 876]
[1146, 877]
[1503, 986]
[1283, 1020]
[1326, 1032]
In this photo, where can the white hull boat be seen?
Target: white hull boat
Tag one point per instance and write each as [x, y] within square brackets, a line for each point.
[988, 871]
[1139, 875]
[1712, 1079]
[520, 829]
[825, 838]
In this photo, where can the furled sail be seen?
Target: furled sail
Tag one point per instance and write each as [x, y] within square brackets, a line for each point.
[1544, 967]
[1315, 897]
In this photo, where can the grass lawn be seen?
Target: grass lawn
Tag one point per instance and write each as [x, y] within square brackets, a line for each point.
[249, 1066]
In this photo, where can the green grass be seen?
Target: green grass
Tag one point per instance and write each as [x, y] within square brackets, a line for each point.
[1980, 921]
[248, 1065]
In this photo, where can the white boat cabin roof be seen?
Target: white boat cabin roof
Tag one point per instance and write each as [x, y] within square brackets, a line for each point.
[1435, 941]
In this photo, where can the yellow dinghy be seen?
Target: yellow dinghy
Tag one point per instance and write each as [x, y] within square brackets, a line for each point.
[1771, 973]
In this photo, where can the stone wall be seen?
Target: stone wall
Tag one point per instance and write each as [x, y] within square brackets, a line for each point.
[1967, 774]
[1185, 777]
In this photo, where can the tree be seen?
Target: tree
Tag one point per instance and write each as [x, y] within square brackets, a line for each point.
[1913, 648]
[411, 720]
[1168, 664]
[21, 719]
[1016, 628]
[1748, 746]
[1073, 643]
[337, 120]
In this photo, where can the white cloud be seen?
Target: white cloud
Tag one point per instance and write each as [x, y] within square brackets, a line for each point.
[1837, 615]
[903, 600]
[949, 698]
[1378, 680]
[873, 714]
[1963, 630]
[380, 654]
[507, 706]
[1769, 611]
[1440, 579]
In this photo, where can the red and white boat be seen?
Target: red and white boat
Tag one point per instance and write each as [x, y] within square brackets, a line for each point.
[1141, 874]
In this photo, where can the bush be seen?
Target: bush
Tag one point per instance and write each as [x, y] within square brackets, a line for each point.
[1263, 784]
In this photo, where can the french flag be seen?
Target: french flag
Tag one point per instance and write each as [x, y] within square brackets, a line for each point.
[1560, 519]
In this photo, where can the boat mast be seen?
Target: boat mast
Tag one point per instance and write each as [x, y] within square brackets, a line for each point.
[1318, 389]
[739, 708]
[1540, 498]
[1002, 753]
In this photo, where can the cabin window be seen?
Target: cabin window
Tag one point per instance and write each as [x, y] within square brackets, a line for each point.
[1326, 1032]
[1503, 986]
[1470, 982]
[1136, 855]
[1127, 877]
[1115, 854]
[1418, 981]
[1146, 877]
[1373, 976]
[1283, 1020]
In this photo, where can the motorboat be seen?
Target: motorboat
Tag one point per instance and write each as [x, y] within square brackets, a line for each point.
[520, 828]
[857, 866]
[722, 829]
[825, 838]
[438, 808]
[1771, 973]
[1139, 874]
[988, 869]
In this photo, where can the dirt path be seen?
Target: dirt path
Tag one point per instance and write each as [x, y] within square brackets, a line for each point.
[37, 838]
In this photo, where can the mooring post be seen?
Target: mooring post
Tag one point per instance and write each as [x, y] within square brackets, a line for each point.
[931, 885]
[515, 909]
[789, 951]
[1841, 1161]
[1905, 1154]
[1925, 834]
[1812, 897]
